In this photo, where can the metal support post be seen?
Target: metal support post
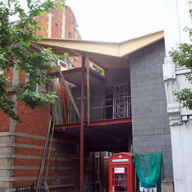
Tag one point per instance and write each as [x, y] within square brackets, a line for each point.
[88, 90]
[82, 127]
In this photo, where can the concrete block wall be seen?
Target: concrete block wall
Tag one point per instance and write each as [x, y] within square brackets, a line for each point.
[117, 75]
[151, 131]
[97, 100]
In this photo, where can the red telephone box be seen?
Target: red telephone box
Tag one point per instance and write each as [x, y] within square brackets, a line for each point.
[121, 173]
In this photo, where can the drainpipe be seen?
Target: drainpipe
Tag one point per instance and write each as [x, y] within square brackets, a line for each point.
[82, 127]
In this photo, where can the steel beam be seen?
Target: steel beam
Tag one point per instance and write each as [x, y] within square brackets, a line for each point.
[82, 127]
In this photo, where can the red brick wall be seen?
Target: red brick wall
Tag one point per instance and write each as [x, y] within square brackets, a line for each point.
[29, 148]
[22, 78]
[31, 133]
[4, 122]
[71, 25]
[56, 26]
[70, 21]
[70, 31]
[44, 23]
[4, 119]
[56, 30]
[78, 63]
[57, 23]
[60, 165]
[34, 121]
[29, 144]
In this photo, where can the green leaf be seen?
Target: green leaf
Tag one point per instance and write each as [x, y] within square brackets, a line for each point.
[25, 43]
[66, 54]
[38, 23]
[182, 55]
[17, 52]
[61, 5]
[44, 29]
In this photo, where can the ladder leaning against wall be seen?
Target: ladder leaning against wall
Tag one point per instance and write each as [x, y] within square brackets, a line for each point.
[49, 137]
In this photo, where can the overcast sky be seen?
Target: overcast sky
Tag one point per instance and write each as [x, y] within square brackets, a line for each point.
[117, 20]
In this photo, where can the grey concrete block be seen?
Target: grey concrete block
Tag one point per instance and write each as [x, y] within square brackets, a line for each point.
[148, 132]
[145, 150]
[159, 143]
[169, 154]
[169, 173]
[165, 125]
[138, 144]
[168, 142]
[149, 106]
[168, 160]
[137, 133]
[159, 131]
[136, 139]
[156, 137]
[166, 148]
[166, 137]
[145, 138]
[167, 130]
[148, 143]
[136, 149]
[156, 149]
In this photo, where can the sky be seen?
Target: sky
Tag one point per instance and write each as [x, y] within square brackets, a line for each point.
[117, 20]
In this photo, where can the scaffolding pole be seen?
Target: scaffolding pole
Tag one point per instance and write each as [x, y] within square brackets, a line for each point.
[82, 127]
[69, 92]
[88, 90]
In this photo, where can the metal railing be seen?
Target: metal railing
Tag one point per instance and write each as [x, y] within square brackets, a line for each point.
[113, 110]
[121, 109]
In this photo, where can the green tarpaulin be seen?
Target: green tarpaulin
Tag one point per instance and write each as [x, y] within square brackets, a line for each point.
[149, 169]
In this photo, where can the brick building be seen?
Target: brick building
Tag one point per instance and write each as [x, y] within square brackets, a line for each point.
[21, 145]
[124, 106]
[127, 103]
[60, 23]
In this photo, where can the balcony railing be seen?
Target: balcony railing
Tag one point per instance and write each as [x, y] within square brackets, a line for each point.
[114, 109]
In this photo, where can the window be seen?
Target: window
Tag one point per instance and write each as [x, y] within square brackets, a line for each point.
[107, 154]
[97, 154]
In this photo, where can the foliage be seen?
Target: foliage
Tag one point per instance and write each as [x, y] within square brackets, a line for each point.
[182, 55]
[98, 70]
[15, 52]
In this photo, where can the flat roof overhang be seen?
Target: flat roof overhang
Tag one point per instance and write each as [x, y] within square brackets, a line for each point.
[105, 55]
[105, 135]
[74, 76]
